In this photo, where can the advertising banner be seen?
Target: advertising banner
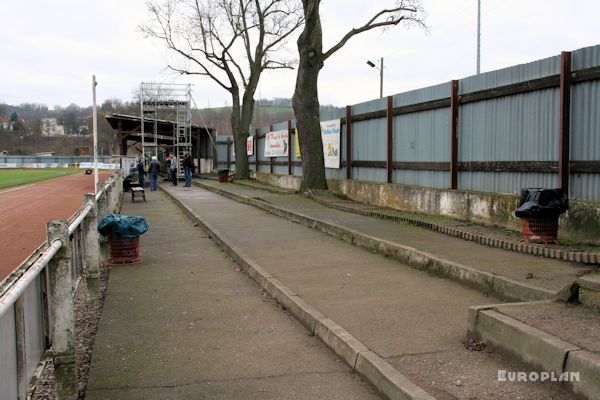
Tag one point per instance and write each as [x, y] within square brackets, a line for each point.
[88, 165]
[330, 133]
[276, 144]
[297, 143]
[250, 146]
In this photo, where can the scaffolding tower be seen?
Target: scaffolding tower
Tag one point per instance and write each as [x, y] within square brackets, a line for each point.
[167, 102]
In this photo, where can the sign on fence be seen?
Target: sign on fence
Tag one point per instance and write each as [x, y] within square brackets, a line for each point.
[100, 165]
[297, 143]
[276, 144]
[330, 133]
[250, 146]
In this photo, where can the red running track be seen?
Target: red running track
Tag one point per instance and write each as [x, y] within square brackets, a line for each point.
[25, 210]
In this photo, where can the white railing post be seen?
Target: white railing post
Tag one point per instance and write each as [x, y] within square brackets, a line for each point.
[118, 191]
[102, 204]
[22, 381]
[114, 191]
[62, 325]
[119, 183]
[91, 254]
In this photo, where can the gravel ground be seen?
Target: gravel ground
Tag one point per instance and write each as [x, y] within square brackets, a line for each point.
[88, 311]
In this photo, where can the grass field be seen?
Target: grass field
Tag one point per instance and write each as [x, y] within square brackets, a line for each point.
[16, 177]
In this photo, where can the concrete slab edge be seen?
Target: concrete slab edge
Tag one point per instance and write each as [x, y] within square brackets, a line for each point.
[536, 348]
[498, 242]
[378, 372]
[387, 379]
[473, 313]
[421, 260]
[589, 290]
[587, 365]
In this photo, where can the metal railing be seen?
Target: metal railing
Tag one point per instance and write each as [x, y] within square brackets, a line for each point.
[37, 299]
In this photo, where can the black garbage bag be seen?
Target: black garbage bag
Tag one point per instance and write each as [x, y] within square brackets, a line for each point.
[539, 202]
[123, 225]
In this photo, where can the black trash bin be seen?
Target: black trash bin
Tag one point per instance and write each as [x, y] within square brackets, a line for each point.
[539, 210]
[223, 175]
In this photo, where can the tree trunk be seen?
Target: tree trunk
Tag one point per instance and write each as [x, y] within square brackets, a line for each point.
[246, 119]
[306, 99]
[239, 137]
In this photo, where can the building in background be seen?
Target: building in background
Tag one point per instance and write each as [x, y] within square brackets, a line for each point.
[51, 127]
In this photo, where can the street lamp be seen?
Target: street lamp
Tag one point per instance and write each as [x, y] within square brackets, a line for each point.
[372, 65]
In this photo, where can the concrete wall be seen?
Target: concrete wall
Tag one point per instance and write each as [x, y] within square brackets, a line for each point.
[291, 182]
[581, 222]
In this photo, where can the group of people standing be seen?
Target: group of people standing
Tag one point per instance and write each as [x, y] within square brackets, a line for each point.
[154, 169]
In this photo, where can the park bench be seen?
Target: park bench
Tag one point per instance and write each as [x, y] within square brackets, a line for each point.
[137, 190]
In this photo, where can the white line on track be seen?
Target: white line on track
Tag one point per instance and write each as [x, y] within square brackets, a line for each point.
[13, 189]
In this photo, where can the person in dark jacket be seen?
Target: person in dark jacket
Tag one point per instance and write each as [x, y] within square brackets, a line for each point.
[188, 164]
[140, 167]
[153, 171]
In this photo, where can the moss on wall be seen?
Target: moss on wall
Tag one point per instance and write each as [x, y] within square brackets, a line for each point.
[580, 223]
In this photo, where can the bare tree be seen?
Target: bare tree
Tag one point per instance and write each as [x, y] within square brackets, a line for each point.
[312, 59]
[230, 41]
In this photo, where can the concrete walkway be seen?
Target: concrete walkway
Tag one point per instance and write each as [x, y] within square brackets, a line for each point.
[548, 275]
[188, 324]
[414, 321]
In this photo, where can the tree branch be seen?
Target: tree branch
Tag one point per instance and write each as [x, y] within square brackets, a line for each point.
[396, 15]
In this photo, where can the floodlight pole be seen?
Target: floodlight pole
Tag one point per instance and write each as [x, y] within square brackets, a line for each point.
[95, 131]
[372, 65]
[478, 37]
[381, 79]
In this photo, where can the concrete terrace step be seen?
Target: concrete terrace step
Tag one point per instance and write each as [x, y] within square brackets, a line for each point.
[510, 275]
[588, 290]
[489, 236]
[485, 235]
[548, 336]
[399, 328]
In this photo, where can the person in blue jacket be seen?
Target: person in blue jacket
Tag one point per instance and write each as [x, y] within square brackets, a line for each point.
[153, 172]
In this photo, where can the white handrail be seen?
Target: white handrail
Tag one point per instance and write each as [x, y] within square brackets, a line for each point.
[17, 289]
[75, 224]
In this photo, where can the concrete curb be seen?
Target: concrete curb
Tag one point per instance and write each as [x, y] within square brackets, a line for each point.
[485, 281]
[537, 348]
[378, 372]
[498, 242]
[386, 378]
[266, 189]
[588, 366]
[589, 290]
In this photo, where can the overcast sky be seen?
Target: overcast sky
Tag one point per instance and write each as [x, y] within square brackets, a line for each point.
[49, 49]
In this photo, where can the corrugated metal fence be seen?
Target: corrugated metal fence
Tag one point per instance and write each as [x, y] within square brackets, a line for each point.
[530, 125]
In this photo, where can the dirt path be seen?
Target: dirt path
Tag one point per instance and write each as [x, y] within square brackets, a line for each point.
[25, 210]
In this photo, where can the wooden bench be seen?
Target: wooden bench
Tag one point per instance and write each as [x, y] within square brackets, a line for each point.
[137, 190]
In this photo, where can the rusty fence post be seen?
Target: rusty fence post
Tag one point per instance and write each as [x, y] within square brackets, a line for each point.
[390, 138]
[289, 128]
[271, 159]
[454, 134]
[565, 121]
[348, 142]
